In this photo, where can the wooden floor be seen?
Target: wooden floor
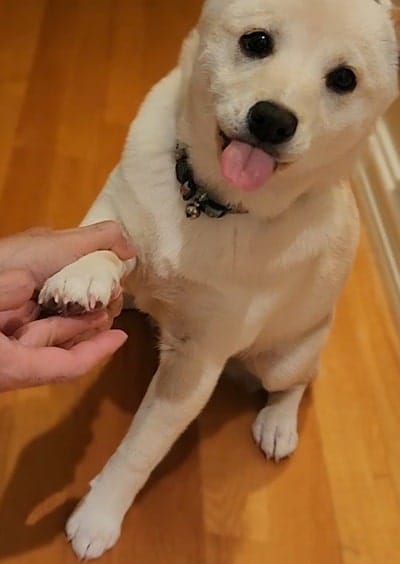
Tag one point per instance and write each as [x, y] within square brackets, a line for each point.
[72, 73]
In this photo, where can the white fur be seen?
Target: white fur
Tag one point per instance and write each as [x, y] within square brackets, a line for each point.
[275, 429]
[261, 287]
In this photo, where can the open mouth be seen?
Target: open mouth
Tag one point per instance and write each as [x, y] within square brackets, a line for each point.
[245, 165]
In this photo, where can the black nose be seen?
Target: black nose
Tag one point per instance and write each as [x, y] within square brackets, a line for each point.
[271, 123]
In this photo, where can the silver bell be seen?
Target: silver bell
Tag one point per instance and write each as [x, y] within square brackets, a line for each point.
[192, 211]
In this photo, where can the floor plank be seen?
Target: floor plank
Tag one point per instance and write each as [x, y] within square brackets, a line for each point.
[72, 74]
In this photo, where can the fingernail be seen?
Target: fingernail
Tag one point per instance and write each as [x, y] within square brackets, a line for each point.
[100, 315]
[128, 240]
[116, 292]
[131, 250]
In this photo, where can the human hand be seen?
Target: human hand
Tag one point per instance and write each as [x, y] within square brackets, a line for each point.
[35, 352]
[43, 252]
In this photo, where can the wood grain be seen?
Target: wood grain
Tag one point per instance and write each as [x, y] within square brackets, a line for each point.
[72, 74]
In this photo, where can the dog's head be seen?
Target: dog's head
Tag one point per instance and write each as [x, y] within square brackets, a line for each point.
[293, 85]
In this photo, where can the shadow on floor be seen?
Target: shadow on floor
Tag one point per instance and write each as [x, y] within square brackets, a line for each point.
[47, 465]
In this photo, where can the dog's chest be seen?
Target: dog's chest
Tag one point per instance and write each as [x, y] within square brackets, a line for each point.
[236, 253]
[255, 269]
[232, 274]
[245, 271]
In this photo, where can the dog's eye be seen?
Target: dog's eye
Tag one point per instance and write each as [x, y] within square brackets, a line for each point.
[257, 44]
[342, 80]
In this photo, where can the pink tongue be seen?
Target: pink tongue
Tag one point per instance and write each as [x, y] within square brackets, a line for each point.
[245, 166]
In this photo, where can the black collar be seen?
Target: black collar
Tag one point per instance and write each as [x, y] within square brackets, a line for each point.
[196, 197]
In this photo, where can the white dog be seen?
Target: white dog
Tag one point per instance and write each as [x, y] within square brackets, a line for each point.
[244, 255]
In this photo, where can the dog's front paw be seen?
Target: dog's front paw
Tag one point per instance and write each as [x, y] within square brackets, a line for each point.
[86, 285]
[93, 528]
[275, 431]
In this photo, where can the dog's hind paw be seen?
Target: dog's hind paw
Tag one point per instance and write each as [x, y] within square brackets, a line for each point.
[275, 431]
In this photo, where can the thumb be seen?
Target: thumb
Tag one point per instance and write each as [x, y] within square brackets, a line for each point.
[16, 288]
[107, 235]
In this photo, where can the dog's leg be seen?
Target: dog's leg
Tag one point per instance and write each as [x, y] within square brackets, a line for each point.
[285, 374]
[179, 390]
[93, 280]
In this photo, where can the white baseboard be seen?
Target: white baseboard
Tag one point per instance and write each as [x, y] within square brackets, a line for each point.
[377, 186]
